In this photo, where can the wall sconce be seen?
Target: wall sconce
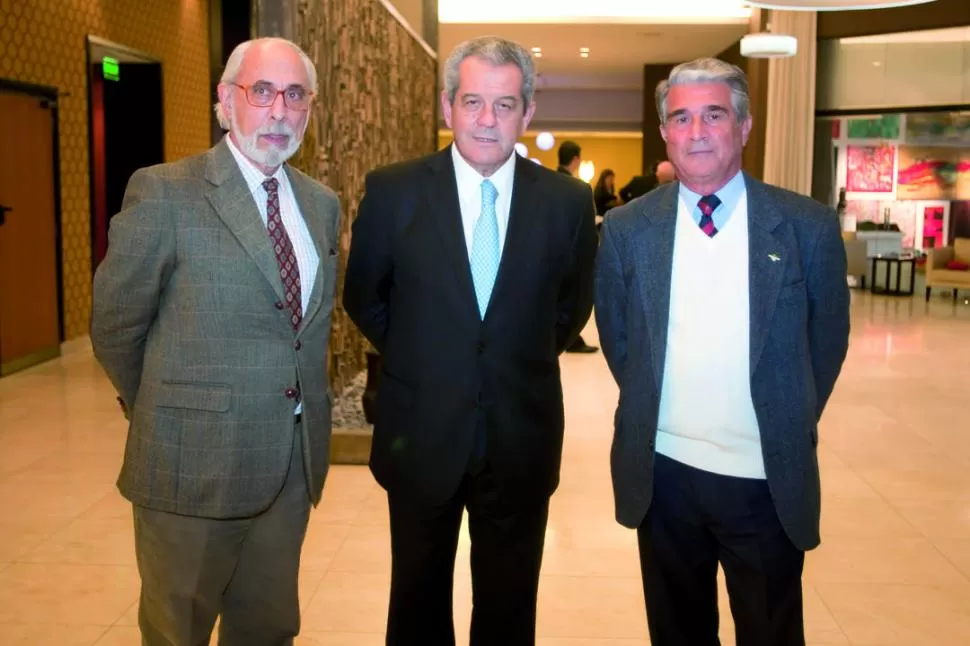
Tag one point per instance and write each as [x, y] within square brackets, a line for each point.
[545, 141]
[586, 171]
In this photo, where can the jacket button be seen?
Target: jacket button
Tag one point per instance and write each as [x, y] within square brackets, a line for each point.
[278, 305]
[480, 347]
[297, 346]
[290, 393]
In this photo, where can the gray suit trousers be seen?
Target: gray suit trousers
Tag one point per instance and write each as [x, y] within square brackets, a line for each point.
[194, 570]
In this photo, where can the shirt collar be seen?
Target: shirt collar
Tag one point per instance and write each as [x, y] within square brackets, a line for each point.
[501, 178]
[728, 194]
[253, 176]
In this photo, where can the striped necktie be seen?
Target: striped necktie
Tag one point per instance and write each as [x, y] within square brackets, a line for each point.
[707, 205]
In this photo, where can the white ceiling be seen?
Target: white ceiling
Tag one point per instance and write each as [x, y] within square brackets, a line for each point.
[617, 52]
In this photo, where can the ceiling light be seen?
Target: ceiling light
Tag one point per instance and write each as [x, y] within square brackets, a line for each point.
[586, 12]
[768, 46]
[832, 5]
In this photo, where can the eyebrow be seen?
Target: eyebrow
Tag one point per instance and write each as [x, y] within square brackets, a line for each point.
[469, 95]
[266, 82]
[707, 108]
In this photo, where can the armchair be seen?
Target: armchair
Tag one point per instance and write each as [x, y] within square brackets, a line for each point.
[938, 274]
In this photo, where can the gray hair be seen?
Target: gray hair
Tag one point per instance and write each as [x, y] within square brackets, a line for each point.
[706, 70]
[496, 51]
[234, 64]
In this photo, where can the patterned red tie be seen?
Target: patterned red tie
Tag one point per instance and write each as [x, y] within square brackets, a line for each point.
[707, 205]
[285, 258]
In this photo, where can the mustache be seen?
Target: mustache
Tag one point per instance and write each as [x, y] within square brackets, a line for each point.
[278, 128]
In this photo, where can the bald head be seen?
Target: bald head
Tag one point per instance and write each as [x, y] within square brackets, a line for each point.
[666, 172]
[264, 100]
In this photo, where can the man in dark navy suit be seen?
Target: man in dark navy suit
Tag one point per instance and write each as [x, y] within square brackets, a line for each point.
[471, 271]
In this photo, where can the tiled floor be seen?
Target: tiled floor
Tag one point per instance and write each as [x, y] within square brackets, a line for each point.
[893, 570]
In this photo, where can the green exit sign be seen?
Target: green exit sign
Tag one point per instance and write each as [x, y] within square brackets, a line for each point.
[110, 69]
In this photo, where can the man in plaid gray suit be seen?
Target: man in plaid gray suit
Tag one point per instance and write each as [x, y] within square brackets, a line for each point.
[211, 317]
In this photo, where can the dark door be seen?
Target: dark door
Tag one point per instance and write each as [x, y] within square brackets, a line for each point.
[29, 301]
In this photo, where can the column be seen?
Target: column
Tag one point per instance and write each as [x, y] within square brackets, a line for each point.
[790, 128]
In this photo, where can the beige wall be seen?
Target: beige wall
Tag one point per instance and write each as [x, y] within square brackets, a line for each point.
[44, 43]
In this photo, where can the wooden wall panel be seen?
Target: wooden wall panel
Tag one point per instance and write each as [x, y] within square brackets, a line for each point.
[376, 105]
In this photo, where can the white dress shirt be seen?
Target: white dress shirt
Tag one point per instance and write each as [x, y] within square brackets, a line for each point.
[470, 196]
[305, 251]
[307, 258]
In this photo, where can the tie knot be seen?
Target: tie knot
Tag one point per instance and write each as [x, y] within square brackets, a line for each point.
[271, 185]
[489, 192]
[708, 204]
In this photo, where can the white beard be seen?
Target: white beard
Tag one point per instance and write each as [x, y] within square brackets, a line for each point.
[271, 156]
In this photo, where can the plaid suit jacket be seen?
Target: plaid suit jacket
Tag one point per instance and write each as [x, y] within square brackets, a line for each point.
[186, 326]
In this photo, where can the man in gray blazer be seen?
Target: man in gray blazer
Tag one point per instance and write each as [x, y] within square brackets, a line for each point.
[211, 317]
[723, 313]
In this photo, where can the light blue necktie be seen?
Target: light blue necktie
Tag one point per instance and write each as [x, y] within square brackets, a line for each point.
[485, 253]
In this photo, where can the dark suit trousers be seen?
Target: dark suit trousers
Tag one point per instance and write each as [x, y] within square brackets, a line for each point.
[698, 519]
[506, 553]
[195, 569]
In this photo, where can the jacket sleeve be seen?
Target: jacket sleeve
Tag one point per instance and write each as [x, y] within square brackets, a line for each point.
[575, 302]
[611, 300]
[367, 281]
[130, 282]
[828, 313]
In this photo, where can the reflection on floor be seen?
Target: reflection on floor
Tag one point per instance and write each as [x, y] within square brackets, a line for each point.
[894, 567]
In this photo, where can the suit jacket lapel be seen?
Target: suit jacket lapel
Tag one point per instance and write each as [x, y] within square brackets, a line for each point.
[767, 262]
[522, 218]
[314, 215]
[654, 257]
[445, 208]
[233, 202]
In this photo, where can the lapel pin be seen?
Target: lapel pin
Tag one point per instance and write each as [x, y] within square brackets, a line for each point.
[774, 257]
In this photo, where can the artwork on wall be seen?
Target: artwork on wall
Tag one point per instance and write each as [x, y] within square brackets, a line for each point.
[934, 225]
[933, 173]
[938, 129]
[882, 127]
[870, 169]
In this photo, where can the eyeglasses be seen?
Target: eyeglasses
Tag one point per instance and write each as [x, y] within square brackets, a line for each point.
[263, 95]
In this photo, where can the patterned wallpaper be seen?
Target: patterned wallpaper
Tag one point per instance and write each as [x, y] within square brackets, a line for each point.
[44, 42]
[375, 106]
